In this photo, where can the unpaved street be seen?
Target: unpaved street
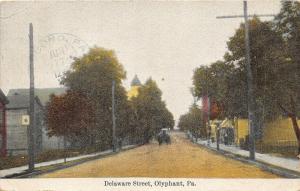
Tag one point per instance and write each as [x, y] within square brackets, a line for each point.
[180, 159]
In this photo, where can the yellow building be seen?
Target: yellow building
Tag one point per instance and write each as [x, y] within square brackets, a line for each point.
[278, 132]
[241, 129]
[134, 90]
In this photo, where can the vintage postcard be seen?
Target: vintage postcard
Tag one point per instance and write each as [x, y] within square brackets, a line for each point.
[149, 95]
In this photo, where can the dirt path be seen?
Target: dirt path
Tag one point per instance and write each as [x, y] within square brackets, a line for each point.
[180, 159]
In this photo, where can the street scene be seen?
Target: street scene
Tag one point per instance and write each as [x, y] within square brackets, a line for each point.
[205, 89]
[179, 159]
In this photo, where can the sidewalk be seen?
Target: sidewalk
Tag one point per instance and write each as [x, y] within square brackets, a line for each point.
[285, 163]
[22, 169]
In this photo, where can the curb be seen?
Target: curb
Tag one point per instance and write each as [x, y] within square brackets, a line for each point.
[286, 173]
[61, 166]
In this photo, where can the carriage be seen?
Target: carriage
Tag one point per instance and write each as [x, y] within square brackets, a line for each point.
[163, 136]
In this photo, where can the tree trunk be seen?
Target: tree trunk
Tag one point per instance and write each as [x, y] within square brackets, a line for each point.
[292, 115]
[296, 130]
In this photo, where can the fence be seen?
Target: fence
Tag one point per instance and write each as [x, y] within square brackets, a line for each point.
[278, 136]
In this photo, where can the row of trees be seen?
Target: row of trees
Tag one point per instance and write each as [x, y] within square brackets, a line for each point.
[151, 112]
[275, 63]
[193, 122]
[83, 115]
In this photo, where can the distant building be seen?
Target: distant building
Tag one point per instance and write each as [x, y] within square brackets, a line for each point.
[17, 134]
[3, 134]
[134, 90]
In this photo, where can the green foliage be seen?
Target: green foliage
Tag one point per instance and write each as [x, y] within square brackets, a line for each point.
[84, 114]
[275, 64]
[213, 81]
[287, 24]
[91, 76]
[151, 112]
[267, 60]
[193, 122]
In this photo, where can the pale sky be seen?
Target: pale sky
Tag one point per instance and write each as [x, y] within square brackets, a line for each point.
[164, 40]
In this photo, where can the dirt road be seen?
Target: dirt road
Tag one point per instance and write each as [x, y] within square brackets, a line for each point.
[180, 159]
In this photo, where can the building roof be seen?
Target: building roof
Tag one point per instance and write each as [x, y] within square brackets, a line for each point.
[19, 98]
[136, 81]
[19, 101]
[3, 98]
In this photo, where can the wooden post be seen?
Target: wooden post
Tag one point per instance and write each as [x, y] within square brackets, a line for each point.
[31, 130]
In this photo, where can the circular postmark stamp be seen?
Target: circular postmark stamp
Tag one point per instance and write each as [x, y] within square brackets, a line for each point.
[58, 51]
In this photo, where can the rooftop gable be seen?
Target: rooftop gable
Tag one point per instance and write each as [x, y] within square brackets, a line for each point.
[3, 98]
[42, 93]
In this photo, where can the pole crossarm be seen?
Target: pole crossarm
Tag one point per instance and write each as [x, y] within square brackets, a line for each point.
[242, 16]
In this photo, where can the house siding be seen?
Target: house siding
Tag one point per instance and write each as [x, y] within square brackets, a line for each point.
[3, 134]
[17, 136]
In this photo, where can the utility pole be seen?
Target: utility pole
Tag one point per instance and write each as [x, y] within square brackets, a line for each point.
[218, 126]
[113, 116]
[65, 151]
[31, 130]
[208, 110]
[250, 94]
[208, 119]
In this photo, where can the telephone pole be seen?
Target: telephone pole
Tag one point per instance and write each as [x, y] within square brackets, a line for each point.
[113, 117]
[208, 119]
[250, 94]
[31, 129]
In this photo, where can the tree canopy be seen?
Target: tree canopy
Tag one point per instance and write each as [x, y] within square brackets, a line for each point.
[91, 77]
[275, 64]
[85, 112]
[192, 121]
[151, 112]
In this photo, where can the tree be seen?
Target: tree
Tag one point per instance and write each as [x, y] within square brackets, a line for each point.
[151, 112]
[266, 62]
[69, 116]
[213, 81]
[228, 78]
[193, 122]
[287, 24]
[275, 64]
[92, 76]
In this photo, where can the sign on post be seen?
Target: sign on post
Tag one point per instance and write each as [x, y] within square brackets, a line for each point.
[25, 120]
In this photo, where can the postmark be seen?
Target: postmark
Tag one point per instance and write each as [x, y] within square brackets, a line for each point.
[58, 50]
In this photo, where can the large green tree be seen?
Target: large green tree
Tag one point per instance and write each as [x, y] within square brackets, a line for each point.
[267, 60]
[228, 79]
[151, 112]
[92, 75]
[287, 24]
[192, 121]
[213, 81]
[275, 64]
